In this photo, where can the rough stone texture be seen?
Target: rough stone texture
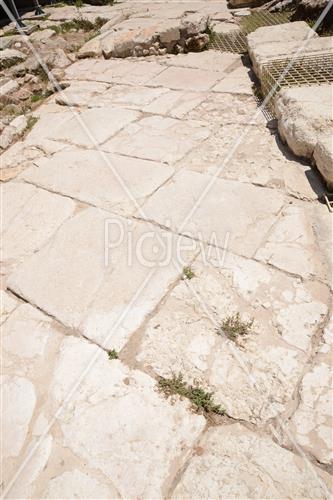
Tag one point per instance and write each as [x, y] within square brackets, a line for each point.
[323, 156]
[138, 427]
[253, 379]
[44, 211]
[9, 57]
[95, 179]
[306, 123]
[250, 216]
[88, 128]
[297, 243]
[94, 291]
[312, 422]
[158, 138]
[87, 270]
[233, 462]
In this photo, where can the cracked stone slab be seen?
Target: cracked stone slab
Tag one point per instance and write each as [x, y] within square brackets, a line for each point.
[81, 93]
[259, 157]
[126, 71]
[209, 60]
[7, 305]
[234, 462]
[138, 428]
[19, 399]
[311, 424]
[223, 109]
[300, 242]
[158, 138]
[86, 128]
[30, 218]
[102, 265]
[175, 103]
[238, 82]
[113, 182]
[251, 211]
[76, 484]
[179, 78]
[182, 337]
[117, 95]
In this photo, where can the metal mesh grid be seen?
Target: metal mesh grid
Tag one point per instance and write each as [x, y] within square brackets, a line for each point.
[304, 70]
[236, 41]
[263, 18]
[230, 42]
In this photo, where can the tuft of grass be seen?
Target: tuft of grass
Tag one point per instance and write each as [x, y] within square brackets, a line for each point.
[202, 400]
[188, 274]
[113, 354]
[234, 327]
[32, 120]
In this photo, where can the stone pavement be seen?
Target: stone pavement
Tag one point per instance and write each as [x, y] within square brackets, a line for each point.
[126, 179]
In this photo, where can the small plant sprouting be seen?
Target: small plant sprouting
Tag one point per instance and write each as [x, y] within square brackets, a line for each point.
[188, 274]
[31, 122]
[113, 354]
[234, 327]
[202, 401]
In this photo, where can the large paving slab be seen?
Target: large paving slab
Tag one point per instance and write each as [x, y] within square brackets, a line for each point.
[114, 71]
[234, 462]
[158, 138]
[255, 380]
[258, 157]
[186, 79]
[300, 242]
[87, 128]
[30, 217]
[239, 212]
[113, 182]
[101, 264]
[311, 424]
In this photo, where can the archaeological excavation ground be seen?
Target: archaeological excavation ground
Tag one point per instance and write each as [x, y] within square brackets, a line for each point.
[166, 286]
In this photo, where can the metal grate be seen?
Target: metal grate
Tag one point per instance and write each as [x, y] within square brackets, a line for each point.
[263, 18]
[304, 70]
[236, 41]
[230, 42]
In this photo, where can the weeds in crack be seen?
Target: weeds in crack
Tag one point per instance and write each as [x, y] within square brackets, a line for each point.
[188, 274]
[32, 120]
[234, 327]
[202, 401]
[113, 354]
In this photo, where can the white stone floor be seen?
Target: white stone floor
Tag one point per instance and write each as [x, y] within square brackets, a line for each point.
[148, 149]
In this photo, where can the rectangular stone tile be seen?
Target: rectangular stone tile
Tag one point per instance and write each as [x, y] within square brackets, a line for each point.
[113, 182]
[158, 138]
[237, 82]
[86, 128]
[175, 103]
[90, 273]
[242, 211]
[32, 225]
[186, 79]
[208, 60]
[111, 71]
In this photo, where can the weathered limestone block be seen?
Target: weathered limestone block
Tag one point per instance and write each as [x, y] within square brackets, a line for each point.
[323, 156]
[234, 462]
[116, 19]
[9, 57]
[273, 42]
[194, 24]
[305, 122]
